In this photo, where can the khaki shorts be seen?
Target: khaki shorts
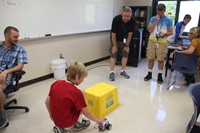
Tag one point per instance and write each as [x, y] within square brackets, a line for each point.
[120, 47]
[156, 50]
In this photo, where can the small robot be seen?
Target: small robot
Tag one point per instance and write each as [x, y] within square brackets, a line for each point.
[104, 126]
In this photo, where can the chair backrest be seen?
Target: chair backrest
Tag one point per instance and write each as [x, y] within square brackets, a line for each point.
[186, 63]
[194, 91]
[14, 86]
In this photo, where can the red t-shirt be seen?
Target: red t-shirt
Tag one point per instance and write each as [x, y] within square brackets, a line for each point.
[67, 102]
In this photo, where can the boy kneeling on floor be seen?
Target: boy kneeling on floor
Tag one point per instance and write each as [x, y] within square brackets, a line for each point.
[66, 102]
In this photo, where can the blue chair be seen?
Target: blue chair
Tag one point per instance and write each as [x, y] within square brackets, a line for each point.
[13, 88]
[184, 63]
[194, 91]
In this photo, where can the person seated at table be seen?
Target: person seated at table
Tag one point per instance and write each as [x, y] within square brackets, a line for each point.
[193, 48]
[178, 31]
[174, 39]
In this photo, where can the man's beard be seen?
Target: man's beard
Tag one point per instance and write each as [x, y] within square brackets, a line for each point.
[11, 44]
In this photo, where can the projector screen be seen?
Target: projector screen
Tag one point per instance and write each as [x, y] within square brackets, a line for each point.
[37, 18]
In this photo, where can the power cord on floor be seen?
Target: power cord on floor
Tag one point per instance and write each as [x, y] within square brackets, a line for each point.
[96, 67]
[99, 66]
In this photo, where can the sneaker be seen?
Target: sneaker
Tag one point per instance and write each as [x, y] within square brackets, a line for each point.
[148, 77]
[3, 119]
[60, 130]
[169, 66]
[160, 80]
[84, 124]
[190, 80]
[112, 76]
[125, 75]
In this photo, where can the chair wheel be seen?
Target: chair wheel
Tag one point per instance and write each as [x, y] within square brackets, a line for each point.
[27, 109]
[15, 101]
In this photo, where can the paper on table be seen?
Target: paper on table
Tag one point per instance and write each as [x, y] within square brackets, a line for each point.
[174, 47]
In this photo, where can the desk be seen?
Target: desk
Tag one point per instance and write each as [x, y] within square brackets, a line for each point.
[170, 50]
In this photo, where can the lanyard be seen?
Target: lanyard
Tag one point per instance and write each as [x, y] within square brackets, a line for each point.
[160, 28]
[125, 29]
[70, 81]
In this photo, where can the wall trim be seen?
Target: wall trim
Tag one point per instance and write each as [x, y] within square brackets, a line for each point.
[45, 77]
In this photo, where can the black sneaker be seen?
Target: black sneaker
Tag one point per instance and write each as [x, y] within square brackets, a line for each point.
[148, 77]
[160, 80]
[112, 76]
[189, 80]
[169, 66]
[82, 125]
[60, 130]
[3, 119]
[125, 75]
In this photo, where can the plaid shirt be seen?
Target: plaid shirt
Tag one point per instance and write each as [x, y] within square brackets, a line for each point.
[11, 57]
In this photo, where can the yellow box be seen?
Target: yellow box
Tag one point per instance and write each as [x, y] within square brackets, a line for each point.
[101, 99]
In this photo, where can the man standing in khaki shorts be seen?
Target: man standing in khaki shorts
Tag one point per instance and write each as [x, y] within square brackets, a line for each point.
[160, 27]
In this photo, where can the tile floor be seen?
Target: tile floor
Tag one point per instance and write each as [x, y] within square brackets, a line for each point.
[145, 107]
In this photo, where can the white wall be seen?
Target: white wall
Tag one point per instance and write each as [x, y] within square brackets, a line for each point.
[118, 5]
[84, 48]
[138, 2]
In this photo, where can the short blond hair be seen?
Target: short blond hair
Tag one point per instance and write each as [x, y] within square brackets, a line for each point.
[195, 31]
[76, 68]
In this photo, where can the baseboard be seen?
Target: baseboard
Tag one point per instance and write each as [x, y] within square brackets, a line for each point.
[96, 61]
[45, 77]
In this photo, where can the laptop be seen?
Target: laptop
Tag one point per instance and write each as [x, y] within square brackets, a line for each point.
[185, 42]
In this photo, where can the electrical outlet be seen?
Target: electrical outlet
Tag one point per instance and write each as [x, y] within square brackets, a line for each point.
[61, 56]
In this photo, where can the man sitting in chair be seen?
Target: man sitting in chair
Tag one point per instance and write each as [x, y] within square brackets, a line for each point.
[12, 58]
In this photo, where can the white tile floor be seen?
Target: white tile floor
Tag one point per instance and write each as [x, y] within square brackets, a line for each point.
[145, 107]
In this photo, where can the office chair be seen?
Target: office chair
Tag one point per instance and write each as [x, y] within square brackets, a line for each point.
[13, 88]
[194, 91]
[184, 63]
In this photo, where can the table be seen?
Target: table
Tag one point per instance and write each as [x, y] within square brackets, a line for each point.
[171, 49]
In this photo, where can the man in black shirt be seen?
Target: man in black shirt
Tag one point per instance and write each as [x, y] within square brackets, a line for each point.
[121, 34]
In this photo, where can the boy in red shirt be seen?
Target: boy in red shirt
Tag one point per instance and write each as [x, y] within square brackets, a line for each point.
[66, 102]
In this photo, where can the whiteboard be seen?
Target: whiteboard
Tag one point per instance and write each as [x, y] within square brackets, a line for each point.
[36, 18]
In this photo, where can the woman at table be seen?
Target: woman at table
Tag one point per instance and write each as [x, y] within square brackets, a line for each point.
[193, 48]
